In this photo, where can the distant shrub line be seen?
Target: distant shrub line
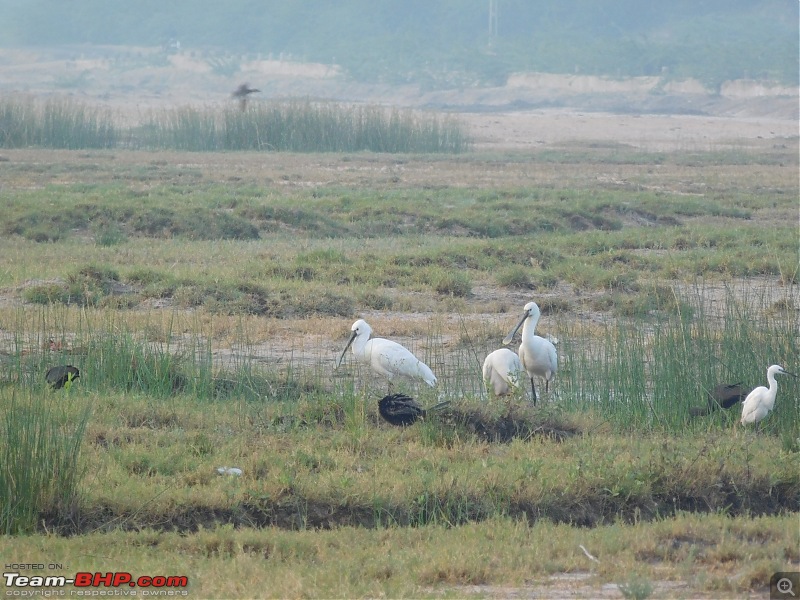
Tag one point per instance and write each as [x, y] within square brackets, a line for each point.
[290, 126]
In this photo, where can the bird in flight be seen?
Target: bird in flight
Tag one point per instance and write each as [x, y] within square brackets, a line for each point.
[242, 92]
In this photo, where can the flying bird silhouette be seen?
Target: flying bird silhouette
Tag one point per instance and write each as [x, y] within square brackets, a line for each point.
[242, 92]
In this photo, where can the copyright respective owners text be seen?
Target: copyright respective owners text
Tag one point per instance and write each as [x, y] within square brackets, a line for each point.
[53, 580]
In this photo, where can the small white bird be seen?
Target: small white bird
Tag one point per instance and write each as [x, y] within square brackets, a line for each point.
[229, 471]
[501, 371]
[385, 357]
[761, 400]
[538, 355]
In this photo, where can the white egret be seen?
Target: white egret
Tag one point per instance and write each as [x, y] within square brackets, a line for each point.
[501, 371]
[385, 357]
[761, 400]
[537, 355]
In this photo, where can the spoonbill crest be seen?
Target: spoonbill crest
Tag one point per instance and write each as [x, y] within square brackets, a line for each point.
[761, 400]
[401, 410]
[501, 371]
[538, 355]
[385, 357]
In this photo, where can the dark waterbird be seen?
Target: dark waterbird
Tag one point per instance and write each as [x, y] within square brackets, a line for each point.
[724, 396]
[60, 375]
[402, 410]
[242, 92]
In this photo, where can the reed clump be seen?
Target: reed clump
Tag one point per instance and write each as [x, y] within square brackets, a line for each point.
[303, 126]
[281, 126]
[40, 470]
[55, 123]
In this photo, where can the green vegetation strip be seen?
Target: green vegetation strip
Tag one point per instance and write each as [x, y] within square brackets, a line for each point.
[315, 455]
[329, 465]
[377, 248]
[293, 126]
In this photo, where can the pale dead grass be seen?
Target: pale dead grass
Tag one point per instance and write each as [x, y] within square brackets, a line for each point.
[500, 558]
[536, 129]
[481, 171]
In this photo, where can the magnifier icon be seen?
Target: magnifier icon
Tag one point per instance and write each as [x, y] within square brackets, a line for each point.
[784, 586]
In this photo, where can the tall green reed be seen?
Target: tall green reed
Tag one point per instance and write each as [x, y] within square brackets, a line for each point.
[646, 372]
[39, 467]
[154, 359]
[56, 123]
[302, 126]
[292, 126]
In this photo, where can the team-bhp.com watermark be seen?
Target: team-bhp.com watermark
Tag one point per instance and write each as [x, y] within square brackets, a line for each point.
[115, 583]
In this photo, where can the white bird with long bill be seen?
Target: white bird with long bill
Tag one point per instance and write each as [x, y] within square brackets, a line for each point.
[761, 400]
[501, 371]
[385, 357]
[537, 355]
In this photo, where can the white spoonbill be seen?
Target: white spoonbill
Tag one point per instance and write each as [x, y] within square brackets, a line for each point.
[761, 400]
[501, 371]
[538, 355]
[385, 357]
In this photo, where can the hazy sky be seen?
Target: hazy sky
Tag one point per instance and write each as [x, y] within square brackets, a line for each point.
[375, 39]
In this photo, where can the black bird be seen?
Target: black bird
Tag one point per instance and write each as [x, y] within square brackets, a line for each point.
[242, 92]
[402, 410]
[60, 375]
[724, 395]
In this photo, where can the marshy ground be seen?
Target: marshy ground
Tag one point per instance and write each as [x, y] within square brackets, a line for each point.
[205, 297]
